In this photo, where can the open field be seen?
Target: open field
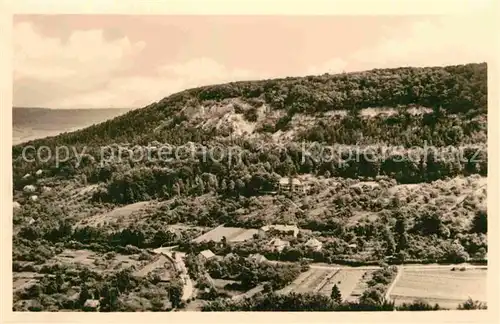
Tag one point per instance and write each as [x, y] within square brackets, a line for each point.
[232, 234]
[322, 280]
[23, 280]
[360, 286]
[445, 287]
[117, 215]
[95, 262]
[346, 281]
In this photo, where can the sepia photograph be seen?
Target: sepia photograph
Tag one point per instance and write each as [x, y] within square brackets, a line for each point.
[256, 163]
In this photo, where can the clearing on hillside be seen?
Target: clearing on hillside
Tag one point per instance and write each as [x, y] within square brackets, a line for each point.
[232, 234]
[117, 215]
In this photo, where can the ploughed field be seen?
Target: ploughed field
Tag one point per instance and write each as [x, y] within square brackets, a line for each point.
[445, 287]
[322, 280]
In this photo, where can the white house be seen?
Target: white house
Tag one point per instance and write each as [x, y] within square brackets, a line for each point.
[206, 255]
[29, 188]
[278, 245]
[314, 244]
[39, 172]
[282, 229]
[34, 198]
[291, 184]
[91, 304]
[259, 258]
[16, 205]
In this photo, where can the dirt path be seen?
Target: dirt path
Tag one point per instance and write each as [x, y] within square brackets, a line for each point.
[187, 291]
[158, 263]
[393, 283]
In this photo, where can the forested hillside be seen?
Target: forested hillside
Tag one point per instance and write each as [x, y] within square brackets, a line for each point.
[395, 162]
[456, 89]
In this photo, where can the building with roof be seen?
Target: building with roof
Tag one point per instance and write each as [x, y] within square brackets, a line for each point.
[278, 244]
[91, 305]
[29, 188]
[259, 258]
[206, 255]
[314, 244]
[291, 184]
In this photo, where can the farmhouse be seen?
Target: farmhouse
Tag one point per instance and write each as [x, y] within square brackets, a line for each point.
[291, 184]
[281, 229]
[91, 305]
[278, 245]
[29, 188]
[314, 244]
[39, 172]
[34, 198]
[206, 255]
[259, 258]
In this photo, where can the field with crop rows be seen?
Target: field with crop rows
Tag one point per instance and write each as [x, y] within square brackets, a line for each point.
[232, 234]
[445, 287]
[322, 280]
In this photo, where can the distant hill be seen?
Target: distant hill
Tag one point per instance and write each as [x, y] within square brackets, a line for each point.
[33, 123]
[402, 108]
[276, 106]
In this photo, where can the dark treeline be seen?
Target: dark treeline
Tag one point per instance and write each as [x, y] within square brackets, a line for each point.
[297, 302]
[256, 170]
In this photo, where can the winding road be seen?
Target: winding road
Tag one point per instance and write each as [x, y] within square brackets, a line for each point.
[187, 291]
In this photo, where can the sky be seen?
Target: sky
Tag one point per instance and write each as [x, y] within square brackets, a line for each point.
[107, 61]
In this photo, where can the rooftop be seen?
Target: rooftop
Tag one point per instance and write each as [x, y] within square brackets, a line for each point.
[286, 181]
[278, 242]
[281, 228]
[207, 254]
[313, 242]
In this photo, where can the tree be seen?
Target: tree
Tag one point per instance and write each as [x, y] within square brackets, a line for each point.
[390, 244]
[470, 304]
[480, 222]
[402, 237]
[84, 294]
[373, 296]
[110, 302]
[157, 304]
[175, 290]
[335, 295]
